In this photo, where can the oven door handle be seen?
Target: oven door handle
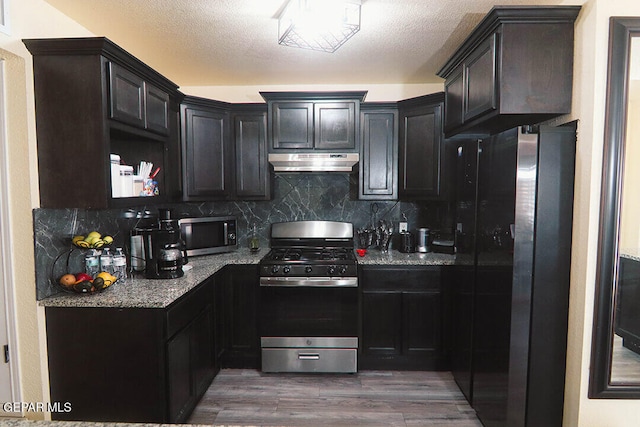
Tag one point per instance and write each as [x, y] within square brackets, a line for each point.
[324, 282]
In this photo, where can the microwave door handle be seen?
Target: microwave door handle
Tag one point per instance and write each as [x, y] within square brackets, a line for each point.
[188, 231]
[225, 232]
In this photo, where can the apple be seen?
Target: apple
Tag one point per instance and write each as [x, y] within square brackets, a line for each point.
[83, 277]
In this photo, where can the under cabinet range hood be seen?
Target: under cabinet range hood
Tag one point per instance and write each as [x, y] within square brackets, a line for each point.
[313, 162]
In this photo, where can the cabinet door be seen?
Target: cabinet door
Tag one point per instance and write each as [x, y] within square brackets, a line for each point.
[480, 80]
[126, 96]
[453, 99]
[379, 161]
[420, 152]
[422, 324]
[207, 154]
[157, 109]
[252, 169]
[203, 366]
[243, 342]
[179, 374]
[381, 324]
[335, 125]
[190, 365]
[292, 125]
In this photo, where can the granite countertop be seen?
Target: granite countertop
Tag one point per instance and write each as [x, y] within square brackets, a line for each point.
[393, 257]
[155, 293]
[148, 293]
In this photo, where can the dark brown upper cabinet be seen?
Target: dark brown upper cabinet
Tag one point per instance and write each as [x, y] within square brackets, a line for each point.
[378, 166]
[307, 121]
[515, 68]
[424, 162]
[224, 151]
[252, 171]
[207, 150]
[137, 102]
[92, 99]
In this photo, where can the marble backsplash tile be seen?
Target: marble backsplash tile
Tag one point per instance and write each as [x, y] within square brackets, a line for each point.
[296, 197]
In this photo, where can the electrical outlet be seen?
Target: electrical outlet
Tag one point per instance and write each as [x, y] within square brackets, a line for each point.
[403, 227]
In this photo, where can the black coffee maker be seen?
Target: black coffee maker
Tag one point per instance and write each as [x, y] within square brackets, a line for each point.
[164, 250]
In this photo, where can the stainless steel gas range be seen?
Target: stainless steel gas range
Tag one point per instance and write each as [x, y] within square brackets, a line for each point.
[309, 298]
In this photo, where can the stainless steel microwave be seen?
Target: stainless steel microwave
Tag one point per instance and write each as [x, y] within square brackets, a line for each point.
[209, 235]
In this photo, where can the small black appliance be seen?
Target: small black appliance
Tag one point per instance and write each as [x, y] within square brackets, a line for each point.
[164, 250]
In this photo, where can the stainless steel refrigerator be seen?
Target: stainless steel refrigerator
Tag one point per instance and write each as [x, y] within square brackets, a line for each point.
[514, 204]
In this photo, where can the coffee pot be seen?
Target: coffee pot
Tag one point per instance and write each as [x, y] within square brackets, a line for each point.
[164, 250]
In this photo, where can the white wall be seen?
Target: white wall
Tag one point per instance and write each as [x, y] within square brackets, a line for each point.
[629, 230]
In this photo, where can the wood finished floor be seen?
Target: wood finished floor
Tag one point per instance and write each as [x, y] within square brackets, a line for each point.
[242, 397]
[625, 365]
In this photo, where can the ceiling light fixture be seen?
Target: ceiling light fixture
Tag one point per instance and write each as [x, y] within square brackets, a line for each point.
[318, 24]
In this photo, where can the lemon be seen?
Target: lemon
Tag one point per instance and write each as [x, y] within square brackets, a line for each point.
[77, 238]
[83, 244]
[108, 278]
[98, 243]
[107, 240]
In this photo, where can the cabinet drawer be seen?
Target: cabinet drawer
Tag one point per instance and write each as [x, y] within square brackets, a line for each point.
[309, 360]
[400, 278]
[181, 312]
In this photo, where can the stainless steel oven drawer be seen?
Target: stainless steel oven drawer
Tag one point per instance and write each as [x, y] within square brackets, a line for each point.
[333, 360]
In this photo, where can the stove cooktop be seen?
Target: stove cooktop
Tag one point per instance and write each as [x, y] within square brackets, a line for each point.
[309, 262]
[310, 255]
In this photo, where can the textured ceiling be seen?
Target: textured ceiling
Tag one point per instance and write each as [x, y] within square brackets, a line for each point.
[234, 42]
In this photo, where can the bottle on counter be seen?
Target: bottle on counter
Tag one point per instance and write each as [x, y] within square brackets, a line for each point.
[106, 261]
[92, 263]
[120, 265]
[254, 243]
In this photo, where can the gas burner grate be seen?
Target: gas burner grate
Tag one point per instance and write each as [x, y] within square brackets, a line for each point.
[288, 254]
[334, 254]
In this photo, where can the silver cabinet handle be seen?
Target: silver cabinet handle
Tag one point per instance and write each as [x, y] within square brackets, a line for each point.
[308, 356]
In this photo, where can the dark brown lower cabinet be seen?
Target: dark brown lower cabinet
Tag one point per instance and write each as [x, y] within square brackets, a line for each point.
[403, 318]
[132, 364]
[190, 365]
[239, 294]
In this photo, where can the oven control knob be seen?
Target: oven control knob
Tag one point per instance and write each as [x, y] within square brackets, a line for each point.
[274, 269]
[286, 269]
[331, 270]
[343, 269]
[308, 269]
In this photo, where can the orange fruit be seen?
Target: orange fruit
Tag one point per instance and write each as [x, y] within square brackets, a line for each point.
[67, 280]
